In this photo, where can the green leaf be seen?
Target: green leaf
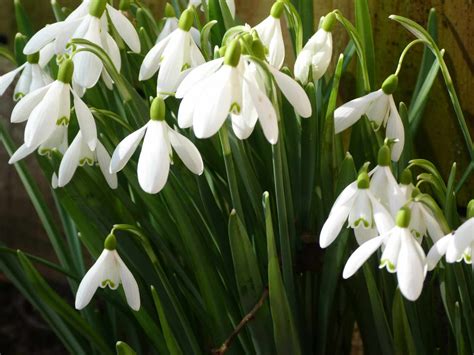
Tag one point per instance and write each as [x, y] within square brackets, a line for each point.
[22, 20]
[295, 25]
[285, 333]
[205, 40]
[58, 11]
[124, 349]
[5, 53]
[402, 336]
[364, 26]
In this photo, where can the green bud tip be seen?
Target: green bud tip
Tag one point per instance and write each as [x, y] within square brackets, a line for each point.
[470, 209]
[277, 9]
[124, 5]
[158, 109]
[222, 51]
[416, 191]
[403, 217]
[66, 69]
[406, 178]
[186, 20]
[383, 158]
[97, 7]
[258, 49]
[110, 243]
[247, 38]
[328, 22]
[390, 84]
[169, 10]
[363, 181]
[232, 53]
[33, 58]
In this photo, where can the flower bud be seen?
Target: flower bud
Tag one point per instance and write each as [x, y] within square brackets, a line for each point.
[158, 109]
[232, 54]
[66, 69]
[186, 20]
[406, 177]
[363, 181]
[383, 158]
[277, 9]
[110, 242]
[403, 217]
[328, 22]
[33, 58]
[169, 10]
[470, 209]
[97, 8]
[390, 84]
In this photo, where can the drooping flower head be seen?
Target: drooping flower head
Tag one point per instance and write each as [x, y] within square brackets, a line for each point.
[269, 31]
[32, 77]
[380, 109]
[109, 270]
[88, 21]
[364, 213]
[458, 245]
[316, 55]
[174, 56]
[401, 254]
[157, 150]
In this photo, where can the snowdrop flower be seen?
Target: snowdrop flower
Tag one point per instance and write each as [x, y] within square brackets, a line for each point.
[423, 222]
[401, 254]
[360, 208]
[156, 154]
[218, 88]
[457, 245]
[230, 5]
[171, 24]
[173, 57]
[316, 55]
[89, 21]
[383, 184]
[269, 31]
[32, 77]
[380, 109]
[80, 154]
[109, 270]
[57, 141]
[406, 184]
[46, 108]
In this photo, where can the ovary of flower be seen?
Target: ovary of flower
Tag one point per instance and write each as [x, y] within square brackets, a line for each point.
[109, 270]
[269, 32]
[174, 57]
[79, 154]
[46, 108]
[88, 21]
[156, 154]
[218, 88]
[360, 208]
[314, 57]
[32, 77]
[401, 254]
[381, 110]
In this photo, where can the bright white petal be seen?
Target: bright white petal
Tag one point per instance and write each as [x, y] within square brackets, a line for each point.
[152, 60]
[187, 151]
[86, 122]
[463, 237]
[172, 63]
[7, 79]
[360, 256]
[438, 250]
[125, 149]
[22, 152]
[103, 159]
[90, 283]
[410, 268]
[25, 106]
[43, 37]
[382, 217]
[434, 229]
[154, 160]
[363, 234]
[70, 161]
[124, 28]
[395, 130]
[22, 86]
[293, 92]
[130, 286]
[196, 75]
[345, 196]
[333, 225]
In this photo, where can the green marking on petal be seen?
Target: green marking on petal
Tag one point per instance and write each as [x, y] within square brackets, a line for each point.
[388, 265]
[63, 121]
[108, 282]
[86, 160]
[235, 108]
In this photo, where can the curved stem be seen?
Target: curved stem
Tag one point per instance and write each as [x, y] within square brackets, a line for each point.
[405, 51]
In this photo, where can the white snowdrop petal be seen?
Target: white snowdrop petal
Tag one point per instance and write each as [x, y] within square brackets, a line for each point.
[113, 51]
[276, 47]
[349, 113]
[46, 54]
[70, 161]
[7, 79]
[434, 229]
[43, 37]
[361, 211]
[363, 234]
[125, 149]
[103, 158]
[39, 78]
[86, 122]
[242, 127]
[171, 23]
[360, 256]
[382, 217]
[130, 286]
[463, 237]
[293, 92]
[25, 106]
[410, 269]
[124, 28]
[152, 60]
[345, 196]
[389, 258]
[172, 63]
[266, 112]
[22, 152]
[378, 110]
[89, 283]
[187, 152]
[438, 250]
[22, 86]
[196, 75]
[154, 160]
[333, 225]
[395, 130]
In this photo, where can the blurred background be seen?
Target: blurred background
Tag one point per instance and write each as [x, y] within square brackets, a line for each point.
[439, 138]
